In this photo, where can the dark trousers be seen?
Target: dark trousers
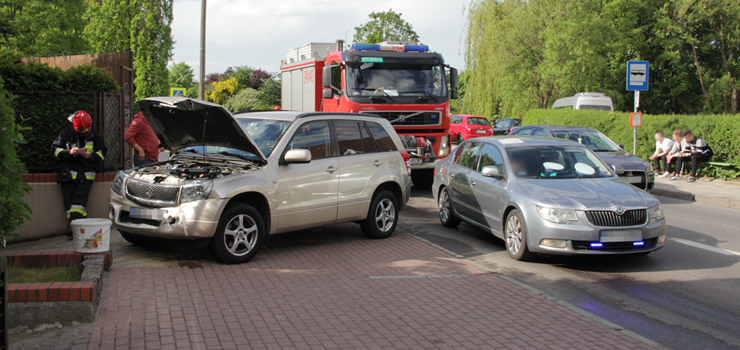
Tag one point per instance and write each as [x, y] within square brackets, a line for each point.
[664, 160]
[75, 195]
[146, 161]
[694, 160]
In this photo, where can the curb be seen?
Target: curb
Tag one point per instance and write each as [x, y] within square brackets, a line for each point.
[688, 196]
[677, 194]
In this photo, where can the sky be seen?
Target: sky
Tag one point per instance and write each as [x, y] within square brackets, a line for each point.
[259, 32]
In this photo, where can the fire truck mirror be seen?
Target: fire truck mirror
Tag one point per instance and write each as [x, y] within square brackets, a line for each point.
[326, 77]
[454, 81]
[454, 94]
[327, 93]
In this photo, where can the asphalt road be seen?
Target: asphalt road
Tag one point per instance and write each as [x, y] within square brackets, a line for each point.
[685, 296]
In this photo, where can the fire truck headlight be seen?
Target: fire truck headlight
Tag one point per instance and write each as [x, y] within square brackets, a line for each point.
[444, 146]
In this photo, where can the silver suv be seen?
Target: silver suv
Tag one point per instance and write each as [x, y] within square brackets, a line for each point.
[233, 179]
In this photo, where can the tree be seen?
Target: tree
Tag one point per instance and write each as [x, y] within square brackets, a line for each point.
[43, 27]
[385, 26]
[222, 90]
[243, 75]
[181, 75]
[216, 77]
[142, 26]
[258, 77]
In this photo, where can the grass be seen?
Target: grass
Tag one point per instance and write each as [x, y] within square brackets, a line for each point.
[43, 274]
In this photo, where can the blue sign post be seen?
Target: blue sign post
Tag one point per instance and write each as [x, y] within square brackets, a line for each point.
[637, 80]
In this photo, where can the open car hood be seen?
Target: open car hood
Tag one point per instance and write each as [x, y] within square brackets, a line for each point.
[181, 122]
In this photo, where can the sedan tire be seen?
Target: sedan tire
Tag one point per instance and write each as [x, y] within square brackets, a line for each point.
[239, 236]
[460, 139]
[382, 217]
[446, 214]
[515, 237]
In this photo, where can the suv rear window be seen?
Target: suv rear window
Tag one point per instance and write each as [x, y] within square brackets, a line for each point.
[382, 139]
[352, 138]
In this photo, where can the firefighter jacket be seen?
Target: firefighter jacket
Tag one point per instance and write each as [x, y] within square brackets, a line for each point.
[80, 169]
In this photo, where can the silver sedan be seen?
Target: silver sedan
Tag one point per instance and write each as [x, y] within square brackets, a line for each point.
[546, 196]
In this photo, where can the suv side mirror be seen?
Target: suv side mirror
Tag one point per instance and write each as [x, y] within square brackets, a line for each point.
[298, 156]
[618, 169]
[491, 171]
[620, 145]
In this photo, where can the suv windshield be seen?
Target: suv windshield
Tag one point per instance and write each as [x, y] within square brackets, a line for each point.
[387, 79]
[478, 121]
[592, 139]
[556, 162]
[266, 133]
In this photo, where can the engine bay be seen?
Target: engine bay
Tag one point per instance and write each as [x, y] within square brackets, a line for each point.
[175, 173]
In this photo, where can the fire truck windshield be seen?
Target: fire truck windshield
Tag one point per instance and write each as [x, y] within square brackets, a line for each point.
[391, 80]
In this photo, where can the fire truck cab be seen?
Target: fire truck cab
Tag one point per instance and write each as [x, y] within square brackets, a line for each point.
[402, 82]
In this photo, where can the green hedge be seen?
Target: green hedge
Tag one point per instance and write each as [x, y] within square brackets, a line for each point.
[46, 114]
[721, 131]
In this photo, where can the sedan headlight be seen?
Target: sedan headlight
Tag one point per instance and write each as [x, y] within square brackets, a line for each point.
[117, 186]
[557, 215]
[195, 190]
[656, 213]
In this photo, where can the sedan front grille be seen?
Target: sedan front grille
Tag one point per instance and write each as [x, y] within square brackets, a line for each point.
[154, 195]
[617, 247]
[410, 118]
[609, 218]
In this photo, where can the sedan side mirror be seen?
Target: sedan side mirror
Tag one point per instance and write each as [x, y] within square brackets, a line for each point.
[618, 169]
[620, 145]
[491, 171]
[298, 156]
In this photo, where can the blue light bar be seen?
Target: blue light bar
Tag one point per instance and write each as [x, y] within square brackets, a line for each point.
[366, 47]
[637, 244]
[597, 245]
[417, 48]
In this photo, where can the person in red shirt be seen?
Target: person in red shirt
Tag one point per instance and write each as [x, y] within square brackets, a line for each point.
[141, 137]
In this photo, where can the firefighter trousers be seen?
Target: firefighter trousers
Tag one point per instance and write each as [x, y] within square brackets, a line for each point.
[75, 195]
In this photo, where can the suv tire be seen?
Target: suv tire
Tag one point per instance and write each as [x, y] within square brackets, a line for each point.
[239, 236]
[382, 217]
[422, 178]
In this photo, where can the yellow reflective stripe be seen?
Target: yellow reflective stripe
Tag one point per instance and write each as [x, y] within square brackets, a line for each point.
[89, 148]
[57, 151]
[67, 214]
[100, 153]
[90, 176]
[81, 211]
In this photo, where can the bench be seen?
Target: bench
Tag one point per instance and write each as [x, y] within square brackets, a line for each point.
[722, 164]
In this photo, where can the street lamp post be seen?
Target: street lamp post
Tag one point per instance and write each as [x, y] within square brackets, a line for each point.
[202, 85]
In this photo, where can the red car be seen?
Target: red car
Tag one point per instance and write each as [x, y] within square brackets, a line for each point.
[469, 126]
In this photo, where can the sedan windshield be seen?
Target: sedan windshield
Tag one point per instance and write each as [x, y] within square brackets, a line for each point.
[592, 139]
[386, 79]
[478, 121]
[556, 162]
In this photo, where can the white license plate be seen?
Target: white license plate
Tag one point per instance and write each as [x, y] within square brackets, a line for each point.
[415, 161]
[481, 131]
[632, 179]
[621, 236]
[145, 213]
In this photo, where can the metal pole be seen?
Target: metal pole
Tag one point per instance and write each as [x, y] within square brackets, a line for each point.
[634, 129]
[202, 84]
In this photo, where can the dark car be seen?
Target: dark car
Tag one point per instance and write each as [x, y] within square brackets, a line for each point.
[505, 125]
[636, 171]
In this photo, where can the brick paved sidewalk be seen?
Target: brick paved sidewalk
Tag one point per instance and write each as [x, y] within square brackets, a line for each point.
[332, 288]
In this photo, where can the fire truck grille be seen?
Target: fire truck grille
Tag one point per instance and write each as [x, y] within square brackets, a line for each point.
[154, 195]
[410, 118]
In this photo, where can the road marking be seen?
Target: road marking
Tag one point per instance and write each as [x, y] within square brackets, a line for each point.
[705, 247]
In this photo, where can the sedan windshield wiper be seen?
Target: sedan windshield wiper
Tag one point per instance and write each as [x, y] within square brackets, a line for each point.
[421, 92]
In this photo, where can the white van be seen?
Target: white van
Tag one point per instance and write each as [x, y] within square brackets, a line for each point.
[585, 100]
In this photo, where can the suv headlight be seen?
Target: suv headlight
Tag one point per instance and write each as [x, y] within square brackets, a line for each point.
[195, 190]
[656, 213]
[117, 186]
[444, 146]
[557, 215]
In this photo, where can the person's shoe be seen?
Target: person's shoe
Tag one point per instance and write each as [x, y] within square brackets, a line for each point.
[68, 233]
[665, 174]
[691, 179]
[676, 178]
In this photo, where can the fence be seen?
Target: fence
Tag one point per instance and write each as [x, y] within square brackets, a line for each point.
[115, 63]
[46, 113]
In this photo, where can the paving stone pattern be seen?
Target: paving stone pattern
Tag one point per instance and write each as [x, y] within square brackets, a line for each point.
[332, 288]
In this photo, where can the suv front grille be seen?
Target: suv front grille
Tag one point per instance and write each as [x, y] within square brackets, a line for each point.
[410, 118]
[611, 219]
[154, 195]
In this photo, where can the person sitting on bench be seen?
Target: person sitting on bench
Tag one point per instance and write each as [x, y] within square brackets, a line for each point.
[695, 150]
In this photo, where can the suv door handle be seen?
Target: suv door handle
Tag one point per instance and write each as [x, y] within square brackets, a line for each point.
[377, 163]
[472, 183]
[331, 169]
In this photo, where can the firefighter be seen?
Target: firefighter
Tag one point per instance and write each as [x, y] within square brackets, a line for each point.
[80, 150]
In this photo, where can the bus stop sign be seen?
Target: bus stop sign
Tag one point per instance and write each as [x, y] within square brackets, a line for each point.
[637, 75]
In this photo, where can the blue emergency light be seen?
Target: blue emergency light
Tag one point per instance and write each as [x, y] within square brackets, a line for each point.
[378, 47]
[597, 245]
[638, 244]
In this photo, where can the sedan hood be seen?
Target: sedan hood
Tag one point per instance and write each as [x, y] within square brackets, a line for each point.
[627, 160]
[181, 122]
[601, 193]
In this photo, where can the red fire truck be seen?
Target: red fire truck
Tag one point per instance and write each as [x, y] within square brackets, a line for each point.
[402, 82]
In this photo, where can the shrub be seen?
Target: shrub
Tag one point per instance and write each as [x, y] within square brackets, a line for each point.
[721, 131]
[244, 100]
[222, 90]
[12, 188]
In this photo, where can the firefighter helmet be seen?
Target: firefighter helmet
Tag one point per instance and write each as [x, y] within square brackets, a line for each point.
[80, 121]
